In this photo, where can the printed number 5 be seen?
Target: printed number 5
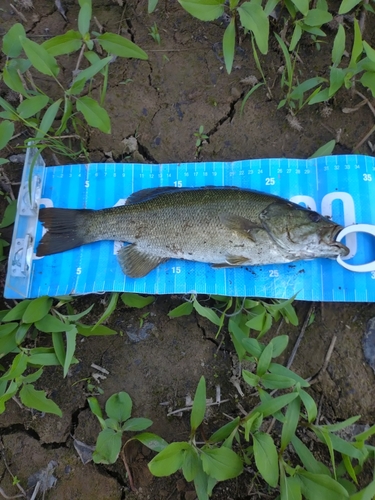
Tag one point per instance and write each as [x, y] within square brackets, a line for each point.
[367, 177]
[270, 181]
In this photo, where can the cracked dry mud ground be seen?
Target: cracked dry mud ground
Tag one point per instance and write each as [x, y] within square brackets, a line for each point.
[163, 103]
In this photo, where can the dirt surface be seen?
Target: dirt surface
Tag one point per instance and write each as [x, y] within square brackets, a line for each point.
[162, 102]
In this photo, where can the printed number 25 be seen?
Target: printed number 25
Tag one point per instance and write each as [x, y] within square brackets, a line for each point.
[270, 181]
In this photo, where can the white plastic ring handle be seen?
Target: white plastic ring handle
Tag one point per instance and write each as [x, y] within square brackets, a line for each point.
[356, 228]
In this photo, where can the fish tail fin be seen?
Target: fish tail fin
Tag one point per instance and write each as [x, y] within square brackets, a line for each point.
[65, 230]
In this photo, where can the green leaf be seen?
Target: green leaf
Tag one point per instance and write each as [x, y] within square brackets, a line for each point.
[182, 310]
[347, 5]
[265, 360]
[221, 463]
[12, 46]
[229, 40]
[32, 377]
[152, 6]
[6, 329]
[253, 347]
[199, 406]
[96, 410]
[303, 87]
[94, 114]
[136, 424]
[71, 336]
[336, 80]
[107, 448]
[205, 10]
[17, 367]
[121, 46]
[338, 426]
[69, 42]
[328, 488]
[238, 336]
[250, 378]
[6, 132]
[44, 359]
[8, 394]
[309, 404]
[278, 369]
[265, 455]
[59, 347]
[206, 312]
[40, 58]
[291, 422]
[37, 309]
[253, 18]
[324, 150]
[272, 381]
[224, 431]
[363, 436]
[302, 6]
[370, 52]
[119, 406]
[307, 458]
[88, 331]
[366, 494]
[83, 76]
[48, 119]
[169, 460]
[32, 105]
[317, 17]
[109, 310]
[279, 343]
[49, 324]
[8, 107]
[135, 300]
[37, 400]
[257, 323]
[357, 45]
[297, 33]
[368, 80]
[190, 466]
[152, 441]
[84, 16]
[12, 79]
[275, 404]
[338, 46]
[10, 211]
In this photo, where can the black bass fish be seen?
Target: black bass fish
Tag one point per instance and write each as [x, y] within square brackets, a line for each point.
[222, 226]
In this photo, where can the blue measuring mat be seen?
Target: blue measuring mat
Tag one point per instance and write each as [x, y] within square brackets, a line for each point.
[341, 187]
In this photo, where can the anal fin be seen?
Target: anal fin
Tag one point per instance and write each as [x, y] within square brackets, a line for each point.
[135, 263]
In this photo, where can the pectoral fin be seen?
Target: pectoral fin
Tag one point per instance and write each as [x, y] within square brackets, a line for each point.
[240, 224]
[135, 263]
[233, 261]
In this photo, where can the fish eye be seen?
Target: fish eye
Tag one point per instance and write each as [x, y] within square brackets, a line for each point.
[314, 217]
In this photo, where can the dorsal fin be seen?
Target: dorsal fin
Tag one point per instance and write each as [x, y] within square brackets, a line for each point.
[149, 194]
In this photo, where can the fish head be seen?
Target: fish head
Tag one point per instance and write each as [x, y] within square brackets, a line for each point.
[301, 232]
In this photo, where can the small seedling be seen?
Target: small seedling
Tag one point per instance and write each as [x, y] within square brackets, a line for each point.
[201, 138]
[154, 33]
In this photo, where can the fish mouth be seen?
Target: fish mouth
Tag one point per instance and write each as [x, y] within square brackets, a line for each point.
[342, 249]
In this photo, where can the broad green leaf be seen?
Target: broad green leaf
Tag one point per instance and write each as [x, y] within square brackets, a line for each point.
[338, 46]
[83, 76]
[221, 463]
[88, 331]
[290, 488]
[250, 378]
[121, 46]
[135, 300]
[68, 109]
[279, 344]
[206, 312]
[336, 80]
[71, 336]
[270, 6]
[370, 52]
[278, 369]
[7, 343]
[307, 458]
[10, 211]
[302, 6]
[12, 46]
[224, 431]
[152, 6]
[44, 359]
[69, 42]
[317, 17]
[275, 404]
[96, 410]
[266, 459]
[253, 18]
[152, 441]
[94, 114]
[265, 360]
[11, 390]
[107, 448]
[37, 400]
[324, 150]
[363, 436]
[111, 423]
[12, 79]
[229, 40]
[136, 424]
[32, 105]
[84, 16]
[291, 422]
[50, 324]
[297, 33]
[59, 347]
[6, 132]
[366, 493]
[37, 309]
[8, 107]
[342, 425]
[48, 119]
[191, 464]
[337, 443]
[205, 10]
[357, 45]
[40, 58]
[257, 322]
[119, 406]
[237, 335]
[8, 328]
[169, 460]
[305, 86]
[182, 310]
[272, 381]
[17, 367]
[309, 404]
[347, 5]
[21, 332]
[329, 489]
[109, 310]
[199, 405]
[32, 377]
[368, 80]
[253, 347]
